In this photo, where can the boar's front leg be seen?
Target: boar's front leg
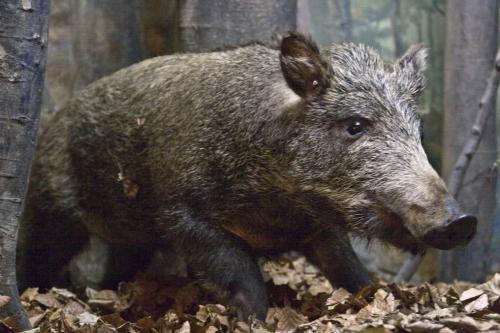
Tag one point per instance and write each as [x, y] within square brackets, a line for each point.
[220, 260]
[332, 252]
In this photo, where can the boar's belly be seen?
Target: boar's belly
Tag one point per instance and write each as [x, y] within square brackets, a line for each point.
[121, 230]
[271, 236]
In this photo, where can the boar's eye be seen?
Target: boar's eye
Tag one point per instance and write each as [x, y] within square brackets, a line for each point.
[355, 127]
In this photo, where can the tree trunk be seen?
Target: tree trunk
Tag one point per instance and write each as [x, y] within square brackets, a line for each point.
[159, 27]
[347, 20]
[106, 37]
[470, 50]
[344, 17]
[304, 16]
[207, 25]
[90, 39]
[23, 46]
[395, 27]
[329, 14]
[433, 120]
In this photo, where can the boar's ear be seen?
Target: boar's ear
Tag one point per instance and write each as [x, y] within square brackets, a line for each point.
[303, 67]
[411, 67]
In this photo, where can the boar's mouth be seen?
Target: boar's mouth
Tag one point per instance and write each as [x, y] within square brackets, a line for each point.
[392, 230]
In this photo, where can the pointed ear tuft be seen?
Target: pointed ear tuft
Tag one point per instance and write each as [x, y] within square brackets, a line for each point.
[410, 68]
[303, 66]
[415, 58]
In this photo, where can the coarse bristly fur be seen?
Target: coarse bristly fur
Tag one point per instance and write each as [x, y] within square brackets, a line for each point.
[230, 154]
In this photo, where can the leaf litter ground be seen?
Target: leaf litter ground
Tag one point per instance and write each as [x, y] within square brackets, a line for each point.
[301, 300]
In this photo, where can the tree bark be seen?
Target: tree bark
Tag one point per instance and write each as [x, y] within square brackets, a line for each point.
[105, 37]
[470, 50]
[23, 47]
[90, 39]
[329, 13]
[347, 20]
[344, 16]
[396, 35]
[304, 16]
[208, 25]
[159, 27]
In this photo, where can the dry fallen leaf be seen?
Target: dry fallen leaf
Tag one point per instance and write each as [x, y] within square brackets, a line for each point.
[424, 326]
[301, 301]
[492, 287]
[286, 319]
[29, 294]
[36, 319]
[469, 324]
[470, 294]
[63, 293]
[4, 300]
[87, 318]
[479, 304]
[185, 328]
[49, 300]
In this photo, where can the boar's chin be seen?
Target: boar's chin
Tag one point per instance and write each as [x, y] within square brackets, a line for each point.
[395, 232]
[389, 227]
[404, 240]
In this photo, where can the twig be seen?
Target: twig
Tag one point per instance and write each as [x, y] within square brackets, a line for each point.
[409, 268]
[395, 10]
[457, 175]
[436, 7]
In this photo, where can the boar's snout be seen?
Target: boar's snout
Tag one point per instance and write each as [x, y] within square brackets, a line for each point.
[454, 232]
[435, 217]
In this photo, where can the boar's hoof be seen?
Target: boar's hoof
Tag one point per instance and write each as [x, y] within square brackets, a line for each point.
[247, 305]
[456, 232]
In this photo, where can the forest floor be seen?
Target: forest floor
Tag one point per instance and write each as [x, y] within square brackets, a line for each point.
[301, 301]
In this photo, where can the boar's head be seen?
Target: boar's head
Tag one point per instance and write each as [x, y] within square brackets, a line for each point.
[359, 144]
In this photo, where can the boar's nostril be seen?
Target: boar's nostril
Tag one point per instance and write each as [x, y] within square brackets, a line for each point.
[464, 227]
[456, 232]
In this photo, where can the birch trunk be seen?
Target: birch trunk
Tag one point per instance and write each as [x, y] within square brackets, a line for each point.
[23, 48]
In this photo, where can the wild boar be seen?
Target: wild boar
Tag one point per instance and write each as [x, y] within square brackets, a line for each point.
[231, 154]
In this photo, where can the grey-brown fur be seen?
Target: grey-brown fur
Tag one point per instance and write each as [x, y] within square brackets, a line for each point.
[215, 155]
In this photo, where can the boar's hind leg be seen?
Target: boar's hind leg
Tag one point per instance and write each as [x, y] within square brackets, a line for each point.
[47, 241]
[221, 261]
[332, 252]
[101, 265]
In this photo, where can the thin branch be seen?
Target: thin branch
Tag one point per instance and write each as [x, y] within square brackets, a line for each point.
[13, 200]
[34, 37]
[8, 175]
[457, 175]
[437, 8]
[21, 119]
[409, 268]
[8, 159]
